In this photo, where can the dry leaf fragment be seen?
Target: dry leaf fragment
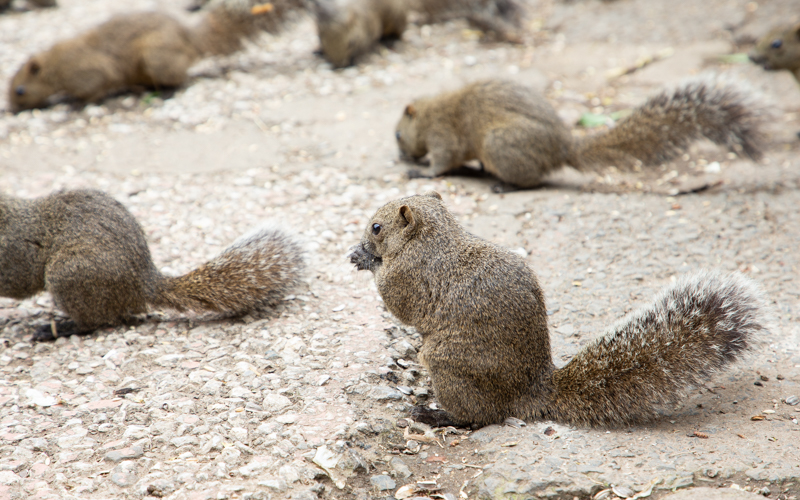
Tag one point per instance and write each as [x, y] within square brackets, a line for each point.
[405, 491]
[261, 8]
[510, 444]
[701, 435]
[741, 436]
[758, 417]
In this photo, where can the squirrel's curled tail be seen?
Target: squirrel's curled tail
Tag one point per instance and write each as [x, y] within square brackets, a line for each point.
[228, 23]
[669, 122]
[255, 272]
[652, 356]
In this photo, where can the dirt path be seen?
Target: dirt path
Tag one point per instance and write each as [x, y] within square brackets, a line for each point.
[242, 408]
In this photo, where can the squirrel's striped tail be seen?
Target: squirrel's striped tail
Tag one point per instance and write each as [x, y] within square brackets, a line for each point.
[651, 357]
[666, 125]
[255, 272]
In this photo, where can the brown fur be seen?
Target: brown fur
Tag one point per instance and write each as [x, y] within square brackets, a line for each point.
[779, 49]
[482, 316]
[147, 49]
[350, 28]
[504, 18]
[89, 252]
[518, 137]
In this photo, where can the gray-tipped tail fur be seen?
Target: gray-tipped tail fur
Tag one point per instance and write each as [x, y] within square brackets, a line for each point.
[256, 271]
[664, 127]
[650, 358]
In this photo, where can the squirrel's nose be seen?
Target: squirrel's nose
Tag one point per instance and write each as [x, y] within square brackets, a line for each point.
[20, 90]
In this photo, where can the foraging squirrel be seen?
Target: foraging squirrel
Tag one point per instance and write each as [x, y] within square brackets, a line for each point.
[6, 4]
[518, 137]
[90, 253]
[504, 18]
[779, 49]
[485, 341]
[148, 49]
[350, 29]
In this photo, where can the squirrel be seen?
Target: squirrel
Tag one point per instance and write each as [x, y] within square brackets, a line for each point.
[779, 49]
[350, 28]
[504, 18]
[6, 4]
[485, 342]
[90, 253]
[147, 49]
[518, 137]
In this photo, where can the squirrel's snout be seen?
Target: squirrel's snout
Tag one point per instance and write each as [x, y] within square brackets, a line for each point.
[758, 59]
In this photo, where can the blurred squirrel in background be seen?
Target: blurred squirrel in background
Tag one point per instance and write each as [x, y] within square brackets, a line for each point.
[350, 28]
[146, 49]
[6, 4]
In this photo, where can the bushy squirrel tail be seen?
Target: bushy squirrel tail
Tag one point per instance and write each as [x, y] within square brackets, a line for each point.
[227, 23]
[651, 357]
[255, 272]
[669, 122]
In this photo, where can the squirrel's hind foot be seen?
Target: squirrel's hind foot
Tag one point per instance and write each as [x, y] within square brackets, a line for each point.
[434, 418]
[55, 329]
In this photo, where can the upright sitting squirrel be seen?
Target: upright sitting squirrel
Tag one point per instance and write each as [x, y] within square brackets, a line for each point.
[89, 252]
[148, 49]
[485, 340]
[518, 137]
[779, 49]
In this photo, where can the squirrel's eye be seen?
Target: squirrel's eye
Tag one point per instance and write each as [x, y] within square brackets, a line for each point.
[376, 228]
[776, 44]
[397, 135]
[20, 90]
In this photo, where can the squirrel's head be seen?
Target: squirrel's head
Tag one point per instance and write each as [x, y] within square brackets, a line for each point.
[27, 90]
[778, 49]
[394, 225]
[412, 146]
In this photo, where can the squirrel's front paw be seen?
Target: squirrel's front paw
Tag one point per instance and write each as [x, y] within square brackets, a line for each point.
[362, 258]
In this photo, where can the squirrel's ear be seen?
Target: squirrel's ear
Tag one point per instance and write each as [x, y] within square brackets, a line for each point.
[408, 219]
[433, 194]
[34, 67]
[411, 110]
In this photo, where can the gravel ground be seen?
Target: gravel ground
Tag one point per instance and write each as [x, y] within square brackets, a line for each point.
[309, 401]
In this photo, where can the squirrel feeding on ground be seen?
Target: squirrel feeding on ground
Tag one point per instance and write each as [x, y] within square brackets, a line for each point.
[504, 18]
[518, 137]
[348, 29]
[485, 341]
[779, 49]
[146, 49]
[90, 253]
